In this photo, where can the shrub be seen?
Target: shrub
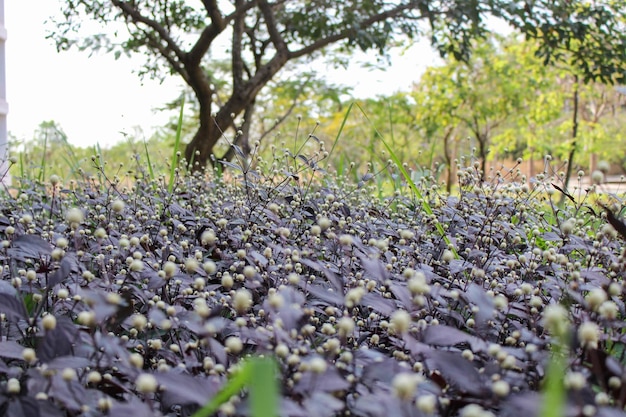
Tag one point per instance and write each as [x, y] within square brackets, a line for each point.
[140, 301]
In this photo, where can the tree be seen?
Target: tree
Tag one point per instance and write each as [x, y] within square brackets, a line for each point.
[437, 104]
[478, 97]
[262, 36]
[291, 103]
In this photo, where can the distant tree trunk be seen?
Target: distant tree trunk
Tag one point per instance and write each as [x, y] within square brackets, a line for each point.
[482, 153]
[572, 151]
[211, 127]
[531, 166]
[593, 162]
[200, 149]
[448, 155]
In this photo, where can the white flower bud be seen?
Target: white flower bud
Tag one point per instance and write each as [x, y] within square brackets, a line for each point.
[242, 300]
[146, 383]
[29, 355]
[404, 385]
[589, 334]
[234, 345]
[400, 321]
[426, 403]
[13, 386]
[118, 205]
[501, 388]
[318, 365]
[49, 322]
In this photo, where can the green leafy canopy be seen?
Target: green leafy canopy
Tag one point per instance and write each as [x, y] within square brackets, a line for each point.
[259, 38]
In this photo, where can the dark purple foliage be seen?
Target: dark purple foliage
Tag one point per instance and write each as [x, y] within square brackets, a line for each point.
[181, 287]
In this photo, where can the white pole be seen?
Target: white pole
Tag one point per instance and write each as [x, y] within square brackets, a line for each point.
[4, 107]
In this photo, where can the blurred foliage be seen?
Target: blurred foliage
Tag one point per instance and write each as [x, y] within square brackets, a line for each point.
[228, 52]
[503, 101]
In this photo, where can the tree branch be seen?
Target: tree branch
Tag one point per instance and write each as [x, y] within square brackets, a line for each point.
[272, 29]
[208, 34]
[129, 11]
[321, 43]
[217, 26]
[164, 51]
[214, 12]
[236, 57]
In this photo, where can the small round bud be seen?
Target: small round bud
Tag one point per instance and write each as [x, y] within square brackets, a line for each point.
[318, 365]
[575, 380]
[29, 355]
[191, 265]
[426, 403]
[13, 386]
[94, 377]
[474, 410]
[49, 322]
[136, 265]
[87, 318]
[68, 374]
[501, 388]
[400, 321]
[118, 205]
[404, 385]
[234, 345]
[146, 383]
[136, 360]
[209, 267]
[242, 300]
[589, 334]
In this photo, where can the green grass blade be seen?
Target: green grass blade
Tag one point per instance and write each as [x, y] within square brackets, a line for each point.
[22, 172]
[237, 382]
[263, 388]
[425, 206]
[343, 124]
[42, 165]
[71, 160]
[554, 389]
[175, 161]
[150, 170]
[260, 376]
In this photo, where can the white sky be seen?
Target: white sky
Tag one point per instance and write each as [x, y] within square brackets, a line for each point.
[95, 98]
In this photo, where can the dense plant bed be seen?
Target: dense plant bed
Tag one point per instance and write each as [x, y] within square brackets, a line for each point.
[138, 302]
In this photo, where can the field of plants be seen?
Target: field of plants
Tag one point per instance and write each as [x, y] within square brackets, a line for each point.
[287, 289]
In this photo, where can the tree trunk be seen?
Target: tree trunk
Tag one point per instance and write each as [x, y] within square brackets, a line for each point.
[531, 166]
[211, 128]
[482, 151]
[200, 150]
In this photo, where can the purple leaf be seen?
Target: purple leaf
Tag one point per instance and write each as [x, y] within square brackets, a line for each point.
[458, 372]
[13, 307]
[22, 407]
[329, 381]
[379, 304]
[26, 247]
[63, 272]
[186, 389]
[58, 341]
[321, 404]
[11, 350]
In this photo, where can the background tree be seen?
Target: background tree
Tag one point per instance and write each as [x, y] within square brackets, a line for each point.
[285, 110]
[436, 107]
[261, 37]
[478, 96]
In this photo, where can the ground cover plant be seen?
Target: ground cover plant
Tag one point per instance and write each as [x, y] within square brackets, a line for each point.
[149, 299]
